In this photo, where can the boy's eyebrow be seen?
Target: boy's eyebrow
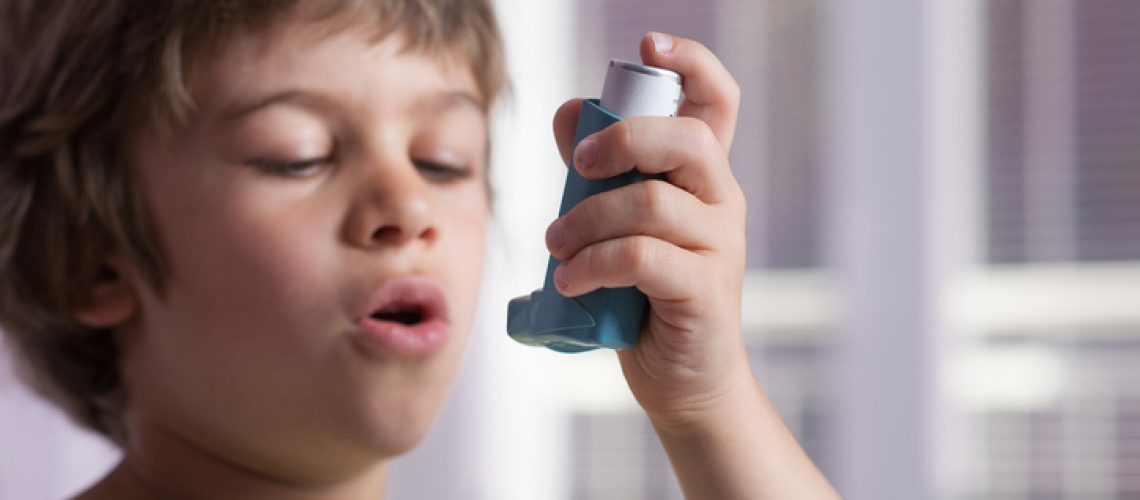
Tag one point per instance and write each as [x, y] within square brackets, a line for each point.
[438, 101]
[248, 107]
[448, 99]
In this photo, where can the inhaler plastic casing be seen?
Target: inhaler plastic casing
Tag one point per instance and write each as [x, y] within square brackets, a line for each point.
[608, 317]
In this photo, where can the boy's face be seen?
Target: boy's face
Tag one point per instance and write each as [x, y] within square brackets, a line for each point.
[257, 350]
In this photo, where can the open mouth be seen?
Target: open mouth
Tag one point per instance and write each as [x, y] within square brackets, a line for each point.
[408, 301]
[405, 315]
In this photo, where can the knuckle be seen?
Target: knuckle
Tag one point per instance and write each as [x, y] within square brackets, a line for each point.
[595, 261]
[638, 255]
[580, 224]
[700, 47]
[654, 199]
[692, 142]
[707, 141]
[623, 136]
[732, 90]
[584, 211]
[700, 138]
[691, 124]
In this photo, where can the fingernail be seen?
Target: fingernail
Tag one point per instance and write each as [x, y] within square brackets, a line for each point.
[560, 278]
[554, 235]
[662, 43]
[586, 152]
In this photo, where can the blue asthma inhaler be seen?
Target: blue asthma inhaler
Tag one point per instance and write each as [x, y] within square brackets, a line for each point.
[607, 317]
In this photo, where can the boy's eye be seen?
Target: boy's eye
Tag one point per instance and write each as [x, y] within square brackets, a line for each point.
[434, 170]
[442, 172]
[297, 168]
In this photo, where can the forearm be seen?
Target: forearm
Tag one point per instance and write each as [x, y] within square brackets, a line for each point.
[747, 453]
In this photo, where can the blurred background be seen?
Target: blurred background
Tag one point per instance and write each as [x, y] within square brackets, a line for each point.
[943, 291]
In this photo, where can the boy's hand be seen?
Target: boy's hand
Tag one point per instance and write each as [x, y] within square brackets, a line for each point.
[680, 241]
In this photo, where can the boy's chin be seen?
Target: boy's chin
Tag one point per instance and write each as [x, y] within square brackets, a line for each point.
[356, 448]
[393, 442]
[398, 432]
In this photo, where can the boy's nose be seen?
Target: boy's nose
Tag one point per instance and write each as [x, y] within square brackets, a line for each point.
[394, 210]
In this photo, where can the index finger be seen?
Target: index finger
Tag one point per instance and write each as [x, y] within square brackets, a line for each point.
[711, 94]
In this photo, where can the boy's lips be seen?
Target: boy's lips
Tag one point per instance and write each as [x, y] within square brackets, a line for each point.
[406, 316]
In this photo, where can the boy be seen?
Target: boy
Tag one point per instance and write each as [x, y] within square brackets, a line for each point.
[242, 240]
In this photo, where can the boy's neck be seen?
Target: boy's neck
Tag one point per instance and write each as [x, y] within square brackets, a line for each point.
[159, 465]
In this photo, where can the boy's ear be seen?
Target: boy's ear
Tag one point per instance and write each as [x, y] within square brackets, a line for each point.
[110, 301]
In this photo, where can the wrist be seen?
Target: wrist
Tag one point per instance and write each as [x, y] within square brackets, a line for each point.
[737, 403]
